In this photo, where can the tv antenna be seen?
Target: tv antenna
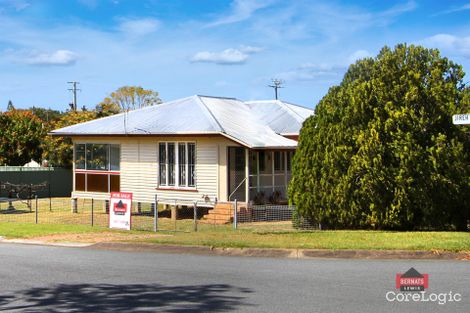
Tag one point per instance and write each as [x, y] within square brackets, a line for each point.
[277, 83]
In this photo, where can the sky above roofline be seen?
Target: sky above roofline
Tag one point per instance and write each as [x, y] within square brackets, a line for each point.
[221, 48]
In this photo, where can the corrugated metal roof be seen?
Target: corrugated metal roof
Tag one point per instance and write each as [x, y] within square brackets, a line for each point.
[248, 123]
[282, 117]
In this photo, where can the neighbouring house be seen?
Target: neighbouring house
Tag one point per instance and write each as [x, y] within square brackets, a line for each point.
[189, 149]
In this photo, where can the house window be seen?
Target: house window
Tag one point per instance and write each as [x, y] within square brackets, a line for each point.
[183, 164]
[162, 162]
[278, 161]
[191, 164]
[177, 164]
[171, 164]
[97, 167]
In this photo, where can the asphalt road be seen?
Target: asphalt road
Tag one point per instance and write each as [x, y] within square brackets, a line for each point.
[55, 279]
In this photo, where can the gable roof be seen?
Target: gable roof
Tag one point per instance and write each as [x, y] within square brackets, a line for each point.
[243, 122]
[283, 117]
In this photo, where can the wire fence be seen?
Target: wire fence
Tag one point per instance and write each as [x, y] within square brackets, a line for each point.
[174, 215]
[273, 218]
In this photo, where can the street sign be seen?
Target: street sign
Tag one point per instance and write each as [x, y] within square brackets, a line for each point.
[120, 205]
[461, 119]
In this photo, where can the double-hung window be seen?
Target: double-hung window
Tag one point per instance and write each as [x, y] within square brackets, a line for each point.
[177, 164]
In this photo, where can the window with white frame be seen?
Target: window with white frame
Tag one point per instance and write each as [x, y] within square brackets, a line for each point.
[177, 164]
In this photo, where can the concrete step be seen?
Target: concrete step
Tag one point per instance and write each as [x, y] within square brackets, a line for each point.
[214, 221]
[223, 212]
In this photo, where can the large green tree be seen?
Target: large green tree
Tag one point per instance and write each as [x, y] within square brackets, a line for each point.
[127, 98]
[381, 150]
[21, 134]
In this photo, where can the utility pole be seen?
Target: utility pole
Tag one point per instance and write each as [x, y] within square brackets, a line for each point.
[276, 85]
[74, 91]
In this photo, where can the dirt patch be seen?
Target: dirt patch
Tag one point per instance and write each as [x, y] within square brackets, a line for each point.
[96, 237]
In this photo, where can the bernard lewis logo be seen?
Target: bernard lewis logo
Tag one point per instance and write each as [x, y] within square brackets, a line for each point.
[412, 280]
[412, 287]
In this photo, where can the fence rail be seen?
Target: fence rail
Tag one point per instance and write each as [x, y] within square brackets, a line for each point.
[187, 217]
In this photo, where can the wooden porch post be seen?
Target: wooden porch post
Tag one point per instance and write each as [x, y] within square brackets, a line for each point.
[247, 175]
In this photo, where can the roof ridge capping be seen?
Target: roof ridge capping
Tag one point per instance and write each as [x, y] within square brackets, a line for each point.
[279, 101]
[217, 97]
[209, 113]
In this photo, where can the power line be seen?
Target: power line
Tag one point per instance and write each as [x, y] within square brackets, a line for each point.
[74, 90]
[276, 85]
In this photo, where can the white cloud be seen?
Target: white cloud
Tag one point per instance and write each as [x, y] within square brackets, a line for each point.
[323, 21]
[359, 54]
[228, 56]
[240, 10]
[17, 5]
[458, 46]
[464, 7]
[139, 27]
[91, 4]
[250, 49]
[59, 57]
[399, 9]
[312, 71]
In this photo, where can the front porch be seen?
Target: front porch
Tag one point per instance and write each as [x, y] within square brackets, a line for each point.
[261, 176]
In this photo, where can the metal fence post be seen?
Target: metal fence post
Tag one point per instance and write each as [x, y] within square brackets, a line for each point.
[235, 214]
[92, 211]
[49, 186]
[195, 216]
[155, 215]
[36, 198]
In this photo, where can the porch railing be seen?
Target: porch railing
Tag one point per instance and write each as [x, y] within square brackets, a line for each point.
[236, 189]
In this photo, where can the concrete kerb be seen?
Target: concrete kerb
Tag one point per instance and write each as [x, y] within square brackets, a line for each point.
[285, 253]
[46, 243]
[256, 252]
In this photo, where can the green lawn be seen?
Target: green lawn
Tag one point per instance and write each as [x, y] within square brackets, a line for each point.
[222, 236]
[20, 230]
[373, 240]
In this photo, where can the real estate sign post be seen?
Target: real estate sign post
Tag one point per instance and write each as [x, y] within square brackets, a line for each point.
[120, 205]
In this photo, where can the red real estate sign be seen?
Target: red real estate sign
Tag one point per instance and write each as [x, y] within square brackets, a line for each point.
[120, 205]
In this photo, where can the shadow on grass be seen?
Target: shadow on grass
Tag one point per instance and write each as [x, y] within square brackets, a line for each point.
[125, 298]
[15, 211]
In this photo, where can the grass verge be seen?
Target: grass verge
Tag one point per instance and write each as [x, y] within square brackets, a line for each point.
[26, 230]
[226, 237]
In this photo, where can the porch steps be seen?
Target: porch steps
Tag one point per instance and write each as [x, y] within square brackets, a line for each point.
[222, 213]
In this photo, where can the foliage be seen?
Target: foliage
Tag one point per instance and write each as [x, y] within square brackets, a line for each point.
[46, 115]
[381, 150]
[20, 137]
[127, 98]
[59, 150]
[107, 107]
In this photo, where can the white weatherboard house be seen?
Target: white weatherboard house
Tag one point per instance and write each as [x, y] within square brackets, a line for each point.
[188, 149]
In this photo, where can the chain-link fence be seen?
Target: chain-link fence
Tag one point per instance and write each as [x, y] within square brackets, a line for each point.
[171, 215]
[177, 214]
[273, 217]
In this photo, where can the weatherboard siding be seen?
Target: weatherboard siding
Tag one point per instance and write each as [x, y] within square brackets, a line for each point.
[139, 169]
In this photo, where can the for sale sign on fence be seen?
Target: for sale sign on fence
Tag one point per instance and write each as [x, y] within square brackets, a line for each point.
[120, 210]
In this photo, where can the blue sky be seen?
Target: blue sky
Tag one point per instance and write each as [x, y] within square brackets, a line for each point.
[210, 47]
